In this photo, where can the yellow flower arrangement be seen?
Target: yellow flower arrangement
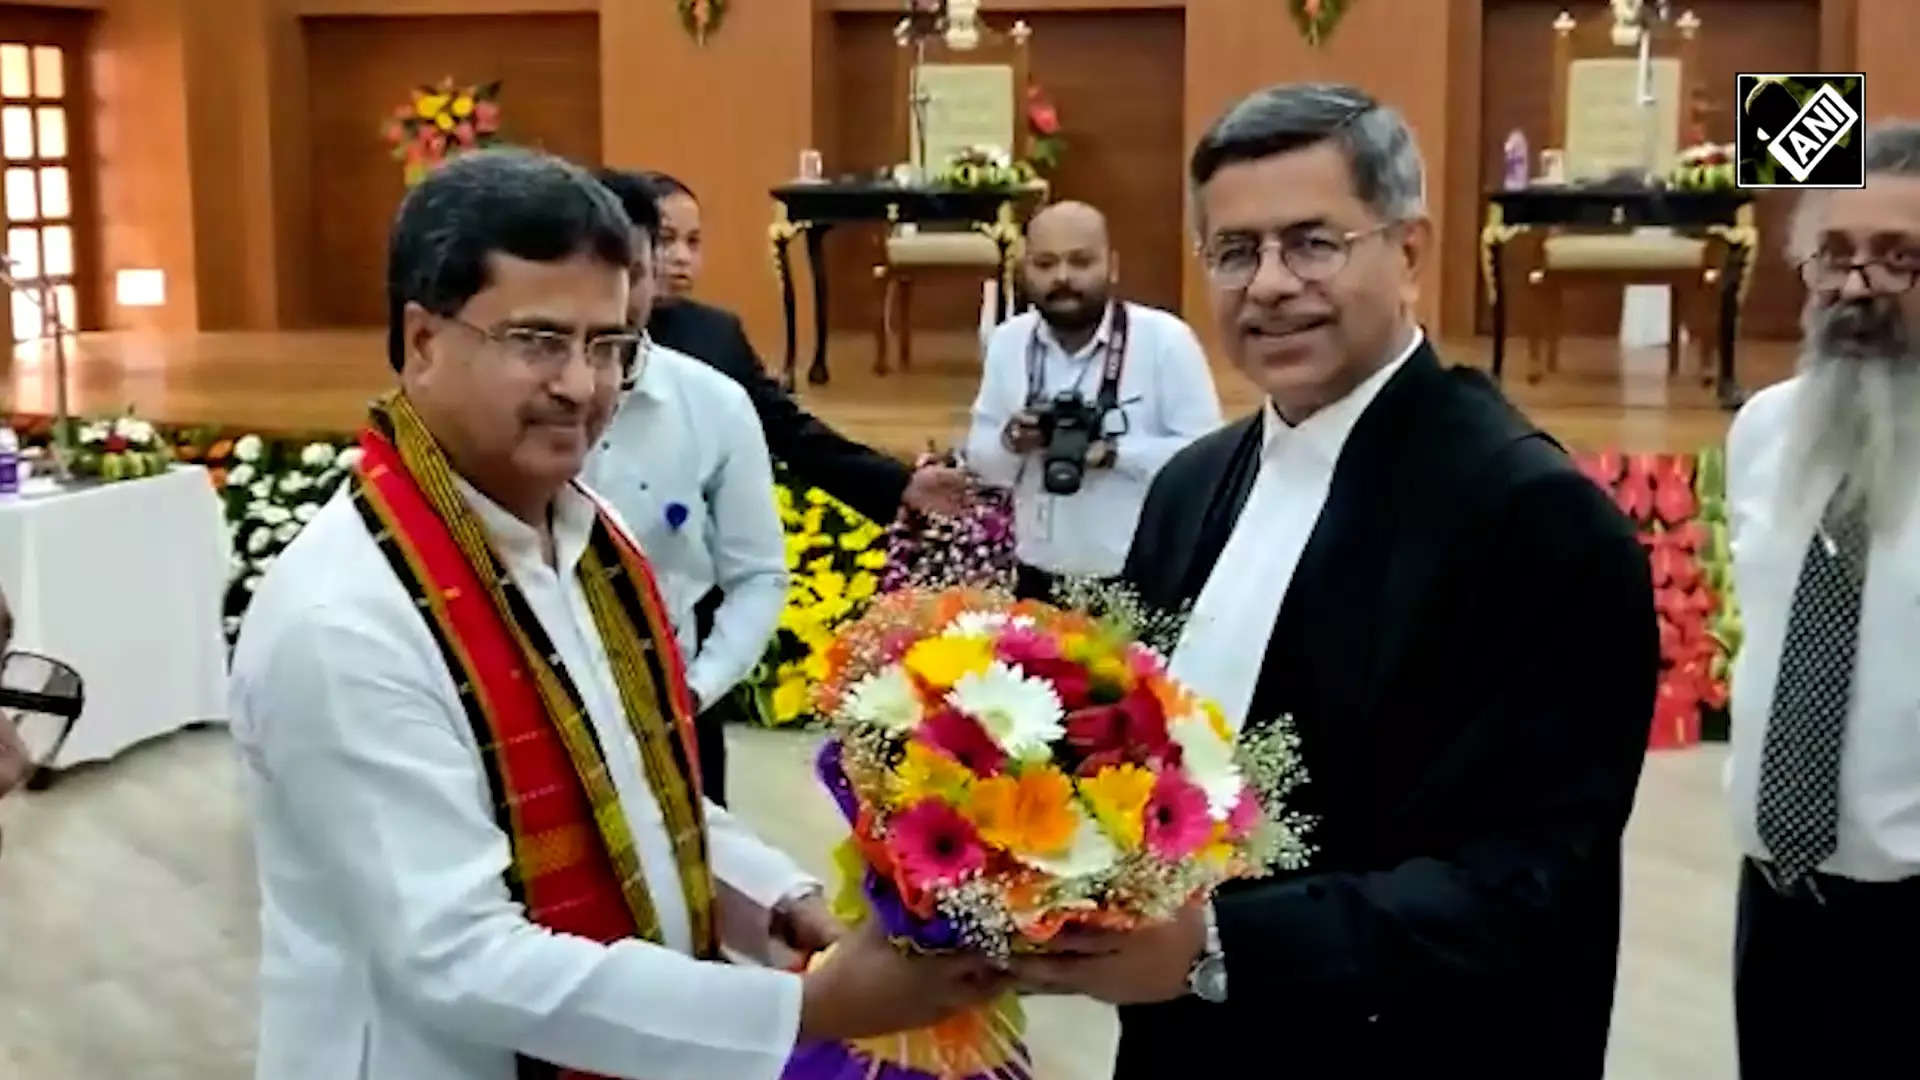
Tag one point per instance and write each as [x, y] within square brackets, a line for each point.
[834, 559]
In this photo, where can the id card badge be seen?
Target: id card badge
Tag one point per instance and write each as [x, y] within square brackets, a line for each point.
[1043, 517]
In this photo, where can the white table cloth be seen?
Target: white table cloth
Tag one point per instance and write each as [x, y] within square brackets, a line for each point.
[124, 581]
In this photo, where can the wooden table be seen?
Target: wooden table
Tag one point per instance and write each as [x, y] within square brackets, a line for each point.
[815, 208]
[1725, 214]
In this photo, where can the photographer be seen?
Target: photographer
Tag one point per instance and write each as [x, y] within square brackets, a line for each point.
[1081, 403]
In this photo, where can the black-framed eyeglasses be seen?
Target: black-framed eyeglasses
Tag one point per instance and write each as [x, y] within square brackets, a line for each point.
[1311, 255]
[1829, 272]
[42, 698]
[546, 352]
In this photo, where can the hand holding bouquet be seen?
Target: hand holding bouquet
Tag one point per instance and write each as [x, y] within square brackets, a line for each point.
[1013, 771]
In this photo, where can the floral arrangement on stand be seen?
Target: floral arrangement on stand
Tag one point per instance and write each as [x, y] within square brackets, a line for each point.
[835, 561]
[441, 122]
[985, 167]
[1045, 146]
[121, 448]
[271, 489]
[1704, 167]
[1010, 771]
[1698, 633]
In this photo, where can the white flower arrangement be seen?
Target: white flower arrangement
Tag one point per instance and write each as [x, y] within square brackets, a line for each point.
[273, 491]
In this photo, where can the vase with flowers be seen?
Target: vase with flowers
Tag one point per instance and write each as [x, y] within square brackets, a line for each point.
[440, 122]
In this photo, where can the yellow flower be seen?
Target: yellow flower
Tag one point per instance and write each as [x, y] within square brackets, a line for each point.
[1118, 796]
[443, 122]
[816, 496]
[854, 540]
[790, 700]
[1217, 720]
[941, 661]
[871, 559]
[830, 584]
[815, 519]
[1112, 670]
[463, 106]
[783, 496]
[820, 565]
[1032, 814]
[863, 587]
[1076, 647]
[428, 106]
[927, 773]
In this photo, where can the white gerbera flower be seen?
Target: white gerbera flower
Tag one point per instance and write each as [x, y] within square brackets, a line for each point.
[976, 624]
[1092, 852]
[240, 476]
[1209, 763]
[348, 458]
[1022, 714]
[248, 448]
[886, 700]
[306, 512]
[317, 455]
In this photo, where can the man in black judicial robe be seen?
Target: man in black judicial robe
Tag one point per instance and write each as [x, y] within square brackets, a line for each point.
[1463, 633]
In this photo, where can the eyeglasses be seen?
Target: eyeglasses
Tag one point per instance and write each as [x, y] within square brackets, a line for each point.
[44, 698]
[1311, 255]
[610, 355]
[1891, 275]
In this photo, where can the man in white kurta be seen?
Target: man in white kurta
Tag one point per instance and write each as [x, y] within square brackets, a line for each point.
[393, 948]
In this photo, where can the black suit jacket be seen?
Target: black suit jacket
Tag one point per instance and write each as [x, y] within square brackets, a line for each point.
[1468, 648]
[860, 476]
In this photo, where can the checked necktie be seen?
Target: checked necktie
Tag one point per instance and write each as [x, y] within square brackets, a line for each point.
[1799, 801]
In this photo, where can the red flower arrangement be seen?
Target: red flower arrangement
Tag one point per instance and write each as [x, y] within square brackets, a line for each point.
[441, 121]
[1657, 491]
[1044, 144]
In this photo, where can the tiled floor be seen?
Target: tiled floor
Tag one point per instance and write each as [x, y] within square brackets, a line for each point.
[128, 936]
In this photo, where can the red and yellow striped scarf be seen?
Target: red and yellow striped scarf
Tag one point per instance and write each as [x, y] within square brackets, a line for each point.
[575, 868]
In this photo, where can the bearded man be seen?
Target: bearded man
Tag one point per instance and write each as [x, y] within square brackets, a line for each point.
[1825, 776]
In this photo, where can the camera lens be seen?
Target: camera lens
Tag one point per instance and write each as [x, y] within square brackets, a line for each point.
[1063, 477]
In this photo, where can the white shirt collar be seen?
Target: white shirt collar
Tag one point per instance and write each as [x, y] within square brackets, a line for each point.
[518, 543]
[1326, 431]
[1098, 340]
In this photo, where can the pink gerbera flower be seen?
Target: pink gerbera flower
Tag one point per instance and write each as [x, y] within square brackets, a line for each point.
[1022, 645]
[1244, 815]
[961, 738]
[932, 844]
[1177, 823]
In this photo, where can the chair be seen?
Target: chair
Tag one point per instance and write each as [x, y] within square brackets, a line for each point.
[1607, 136]
[972, 96]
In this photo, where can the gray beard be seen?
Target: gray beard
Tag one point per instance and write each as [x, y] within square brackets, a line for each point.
[1856, 417]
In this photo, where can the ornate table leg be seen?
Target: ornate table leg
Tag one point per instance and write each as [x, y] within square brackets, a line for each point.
[1004, 230]
[1743, 250]
[817, 262]
[780, 234]
[1493, 267]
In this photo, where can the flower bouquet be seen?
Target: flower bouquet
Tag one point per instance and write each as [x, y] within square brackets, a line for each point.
[1012, 770]
[985, 167]
[1705, 167]
[440, 122]
[272, 491]
[121, 449]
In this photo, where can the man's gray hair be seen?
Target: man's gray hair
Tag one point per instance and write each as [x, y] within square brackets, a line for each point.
[1892, 149]
[1388, 173]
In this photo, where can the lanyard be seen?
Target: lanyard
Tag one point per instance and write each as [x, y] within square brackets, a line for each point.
[1114, 362]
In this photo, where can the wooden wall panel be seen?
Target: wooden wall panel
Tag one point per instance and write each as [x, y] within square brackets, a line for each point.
[358, 69]
[730, 117]
[1115, 77]
[1889, 31]
[145, 175]
[1735, 36]
[225, 43]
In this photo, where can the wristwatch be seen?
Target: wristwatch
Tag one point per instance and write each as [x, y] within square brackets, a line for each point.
[1208, 977]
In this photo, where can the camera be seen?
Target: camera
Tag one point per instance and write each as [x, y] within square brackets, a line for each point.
[1069, 425]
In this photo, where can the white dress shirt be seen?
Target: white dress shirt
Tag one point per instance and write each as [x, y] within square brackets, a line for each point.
[390, 945]
[1168, 400]
[685, 463]
[1240, 602]
[1879, 834]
